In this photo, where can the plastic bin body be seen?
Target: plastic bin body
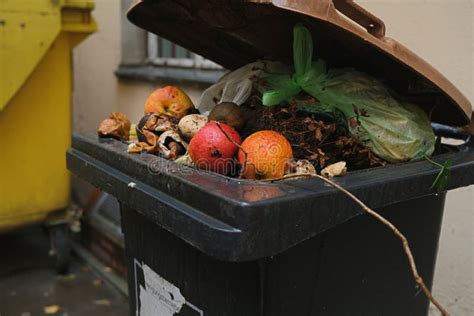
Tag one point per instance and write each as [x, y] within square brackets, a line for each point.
[35, 123]
[356, 268]
[240, 247]
[217, 246]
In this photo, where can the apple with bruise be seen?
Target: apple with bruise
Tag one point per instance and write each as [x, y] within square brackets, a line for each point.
[169, 100]
[211, 149]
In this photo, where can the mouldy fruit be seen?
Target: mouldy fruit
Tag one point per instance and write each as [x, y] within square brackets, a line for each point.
[268, 153]
[154, 123]
[229, 113]
[149, 130]
[191, 124]
[210, 148]
[171, 145]
[169, 100]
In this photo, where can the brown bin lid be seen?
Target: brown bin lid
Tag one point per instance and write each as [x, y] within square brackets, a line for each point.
[233, 33]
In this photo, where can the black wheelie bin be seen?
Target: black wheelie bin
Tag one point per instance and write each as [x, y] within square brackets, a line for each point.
[198, 243]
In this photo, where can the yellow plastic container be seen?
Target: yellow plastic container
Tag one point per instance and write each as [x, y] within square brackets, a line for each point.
[37, 38]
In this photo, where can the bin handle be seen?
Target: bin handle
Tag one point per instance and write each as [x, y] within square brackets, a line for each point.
[455, 133]
[374, 25]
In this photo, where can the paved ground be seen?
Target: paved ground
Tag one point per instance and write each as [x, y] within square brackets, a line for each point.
[28, 282]
[454, 275]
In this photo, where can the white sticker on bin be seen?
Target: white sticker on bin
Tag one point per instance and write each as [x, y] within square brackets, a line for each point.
[158, 296]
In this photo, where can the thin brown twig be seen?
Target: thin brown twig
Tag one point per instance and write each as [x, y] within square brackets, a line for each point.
[241, 171]
[406, 247]
[289, 176]
[322, 140]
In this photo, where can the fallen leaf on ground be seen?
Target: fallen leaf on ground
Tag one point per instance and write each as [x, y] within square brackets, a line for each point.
[68, 278]
[103, 302]
[51, 309]
[98, 282]
[107, 269]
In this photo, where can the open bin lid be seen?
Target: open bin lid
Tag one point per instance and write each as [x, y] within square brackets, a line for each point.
[233, 33]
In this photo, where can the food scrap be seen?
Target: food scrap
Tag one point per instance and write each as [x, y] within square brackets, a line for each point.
[335, 170]
[264, 155]
[268, 121]
[229, 113]
[214, 147]
[158, 133]
[169, 100]
[116, 126]
[191, 124]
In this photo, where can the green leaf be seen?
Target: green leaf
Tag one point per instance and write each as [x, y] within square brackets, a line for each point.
[442, 178]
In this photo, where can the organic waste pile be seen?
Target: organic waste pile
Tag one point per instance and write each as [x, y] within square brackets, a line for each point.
[268, 121]
[315, 138]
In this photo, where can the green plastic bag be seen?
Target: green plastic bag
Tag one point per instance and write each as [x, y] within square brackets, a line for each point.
[394, 130]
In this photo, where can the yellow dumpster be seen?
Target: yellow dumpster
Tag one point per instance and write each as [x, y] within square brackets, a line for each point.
[36, 42]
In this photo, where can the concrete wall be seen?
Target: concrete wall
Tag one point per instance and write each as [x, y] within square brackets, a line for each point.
[441, 31]
[95, 59]
[97, 90]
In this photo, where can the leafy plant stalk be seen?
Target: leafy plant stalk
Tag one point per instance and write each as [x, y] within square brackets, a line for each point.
[442, 178]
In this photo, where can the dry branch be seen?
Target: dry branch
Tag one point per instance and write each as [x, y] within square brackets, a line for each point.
[406, 247]
[241, 172]
[289, 176]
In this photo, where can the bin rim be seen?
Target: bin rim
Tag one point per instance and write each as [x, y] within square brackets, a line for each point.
[249, 219]
[234, 33]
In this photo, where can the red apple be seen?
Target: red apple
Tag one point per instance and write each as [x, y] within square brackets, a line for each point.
[210, 148]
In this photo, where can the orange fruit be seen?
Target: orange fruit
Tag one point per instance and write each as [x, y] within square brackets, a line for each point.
[268, 153]
[169, 100]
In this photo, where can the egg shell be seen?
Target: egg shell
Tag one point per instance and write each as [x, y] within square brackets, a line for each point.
[191, 124]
